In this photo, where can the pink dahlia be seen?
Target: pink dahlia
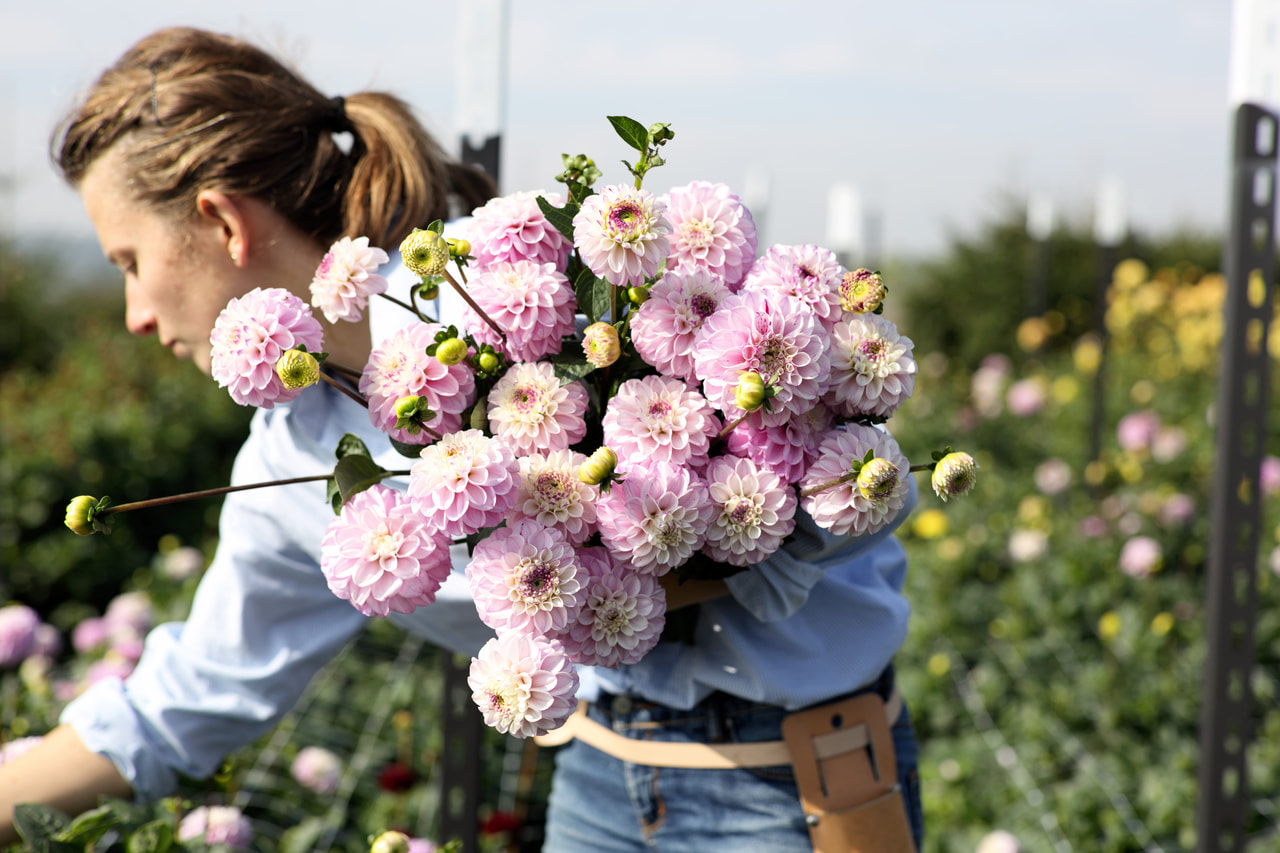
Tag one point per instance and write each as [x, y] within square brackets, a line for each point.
[533, 412]
[523, 685]
[666, 325]
[873, 371]
[346, 278]
[622, 615]
[774, 335]
[656, 517]
[1140, 556]
[316, 769]
[551, 494]
[18, 625]
[400, 367]
[465, 481]
[1026, 396]
[217, 825]
[755, 509]
[621, 233]
[788, 449]
[811, 274]
[380, 555]
[659, 419]
[843, 509]
[513, 228]
[532, 303]
[710, 229]
[1137, 430]
[250, 335]
[525, 578]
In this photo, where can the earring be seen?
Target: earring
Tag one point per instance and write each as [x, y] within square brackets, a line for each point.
[235, 258]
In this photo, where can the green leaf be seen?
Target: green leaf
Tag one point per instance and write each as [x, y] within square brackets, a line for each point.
[578, 193]
[350, 444]
[37, 823]
[585, 290]
[560, 217]
[632, 132]
[303, 837]
[356, 473]
[570, 368]
[409, 451]
[88, 827]
[153, 837]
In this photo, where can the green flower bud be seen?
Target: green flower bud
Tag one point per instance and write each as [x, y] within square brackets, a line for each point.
[425, 253]
[638, 295]
[954, 475]
[411, 413]
[80, 513]
[297, 369]
[862, 292]
[458, 248]
[407, 407]
[750, 393]
[488, 362]
[390, 842]
[428, 290]
[600, 344]
[451, 351]
[599, 467]
[877, 479]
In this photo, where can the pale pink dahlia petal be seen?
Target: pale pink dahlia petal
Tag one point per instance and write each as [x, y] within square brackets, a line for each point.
[659, 419]
[225, 825]
[621, 233]
[532, 303]
[513, 228]
[710, 229]
[666, 325]
[523, 685]
[788, 449]
[465, 481]
[769, 333]
[843, 509]
[524, 578]
[656, 517]
[346, 278]
[873, 371]
[755, 509]
[811, 274]
[400, 367]
[622, 615]
[382, 556]
[533, 412]
[551, 494]
[250, 335]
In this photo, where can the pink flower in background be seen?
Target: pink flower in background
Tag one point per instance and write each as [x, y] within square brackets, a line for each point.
[130, 613]
[111, 666]
[1026, 397]
[987, 385]
[999, 842]
[811, 274]
[524, 685]
[622, 615]
[1178, 509]
[1269, 475]
[1028, 546]
[513, 228]
[534, 412]
[18, 625]
[127, 646]
[755, 510]
[217, 825]
[656, 518]
[47, 642]
[659, 419]
[621, 233]
[464, 482]
[346, 278]
[182, 563]
[551, 494]
[666, 325]
[19, 746]
[90, 634]
[1168, 443]
[422, 845]
[317, 769]
[710, 230]
[532, 303]
[381, 556]
[400, 367]
[843, 509]
[1137, 430]
[249, 337]
[1052, 476]
[1140, 556]
[774, 335]
[873, 371]
[787, 450]
[1092, 527]
[525, 578]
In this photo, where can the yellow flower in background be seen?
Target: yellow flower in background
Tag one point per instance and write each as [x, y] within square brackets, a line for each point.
[1162, 624]
[1032, 334]
[939, 665]
[1087, 355]
[951, 549]
[1130, 468]
[1095, 473]
[1109, 625]
[1142, 392]
[931, 524]
[1129, 273]
[1064, 390]
[1031, 508]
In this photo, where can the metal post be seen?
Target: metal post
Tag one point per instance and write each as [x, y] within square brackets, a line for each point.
[460, 758]
[1225, 723]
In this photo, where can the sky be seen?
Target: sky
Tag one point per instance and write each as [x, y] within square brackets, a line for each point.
[932, 114]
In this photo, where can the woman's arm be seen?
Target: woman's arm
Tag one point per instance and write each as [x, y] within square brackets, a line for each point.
[60, 772]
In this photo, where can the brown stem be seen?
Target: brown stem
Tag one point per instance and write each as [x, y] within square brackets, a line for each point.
[829, 484]
[466, 297]
[207, 493]
[344, 389]
[729, 427]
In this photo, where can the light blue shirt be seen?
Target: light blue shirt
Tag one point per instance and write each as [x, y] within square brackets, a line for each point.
[819, 618]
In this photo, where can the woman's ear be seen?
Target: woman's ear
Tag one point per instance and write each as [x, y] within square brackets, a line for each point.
[228, 222]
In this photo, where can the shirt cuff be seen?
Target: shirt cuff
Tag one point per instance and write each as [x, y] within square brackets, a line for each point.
[106, 722]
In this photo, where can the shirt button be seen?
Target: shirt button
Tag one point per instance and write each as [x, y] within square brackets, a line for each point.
[621, 706]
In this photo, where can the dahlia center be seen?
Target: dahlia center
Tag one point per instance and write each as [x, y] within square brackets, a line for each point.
[503, 699]
[774, 359]
[611, 619]
[552, 489]
[805, 274]
[703, 305]
[742, 512]
[384, 542]
[659, 409]
[697, 233]
[668, 532]
[526, 401]
[869, 355]
[626, 221]
[538, 581]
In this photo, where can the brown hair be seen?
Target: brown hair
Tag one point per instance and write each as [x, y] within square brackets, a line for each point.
[196, 110]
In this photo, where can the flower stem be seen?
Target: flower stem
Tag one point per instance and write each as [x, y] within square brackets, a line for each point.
[466, 297]
[829, 484]
[926, 467]
[207, 493]
[724, 433]
[344, 389]
[405, 305]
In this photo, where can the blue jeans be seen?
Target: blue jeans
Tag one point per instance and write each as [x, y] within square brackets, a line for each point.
[602, 805]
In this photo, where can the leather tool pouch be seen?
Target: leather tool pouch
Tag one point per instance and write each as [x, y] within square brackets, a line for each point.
[848, 777]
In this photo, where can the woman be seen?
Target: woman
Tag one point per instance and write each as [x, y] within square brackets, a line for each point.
[209, 169]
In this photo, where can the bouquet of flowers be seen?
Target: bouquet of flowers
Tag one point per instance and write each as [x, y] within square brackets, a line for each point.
[631, 391]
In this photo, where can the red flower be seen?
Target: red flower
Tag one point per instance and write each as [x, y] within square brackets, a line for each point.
[499, 822]
[397, 778]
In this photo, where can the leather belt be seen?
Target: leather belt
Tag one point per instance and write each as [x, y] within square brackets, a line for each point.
[712, 756]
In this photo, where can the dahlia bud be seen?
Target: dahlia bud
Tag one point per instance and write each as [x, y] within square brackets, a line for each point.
[877, 479]
[458, 248]
[80, 513]
[862, 292]
[390, 842]
[638, 295]
[954, 475]
[451, 351]
[599, 467]
[425, 252]
[297, 369]
[428, 290]
[406, 406]
[750, 393]
[488, 363]
[411, 413]
[600, 344]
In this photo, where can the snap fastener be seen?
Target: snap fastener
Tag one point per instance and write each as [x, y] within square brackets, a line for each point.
[811, 819]
[621, 705]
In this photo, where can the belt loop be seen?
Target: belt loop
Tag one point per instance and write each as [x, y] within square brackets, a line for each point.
[715, 718]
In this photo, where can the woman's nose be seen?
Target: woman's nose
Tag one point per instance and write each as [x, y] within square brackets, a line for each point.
[139, 317]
